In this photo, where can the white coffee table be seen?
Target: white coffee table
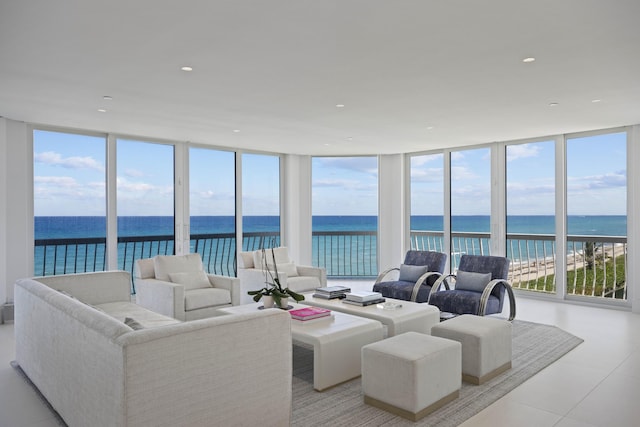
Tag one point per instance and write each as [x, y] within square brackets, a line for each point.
[337, 341]
[412, 316]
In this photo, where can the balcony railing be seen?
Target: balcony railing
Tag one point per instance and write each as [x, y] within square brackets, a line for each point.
[79, 255]
[596, 265]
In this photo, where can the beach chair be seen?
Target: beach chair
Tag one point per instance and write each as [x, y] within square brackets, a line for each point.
[480, 285]
[417, 274]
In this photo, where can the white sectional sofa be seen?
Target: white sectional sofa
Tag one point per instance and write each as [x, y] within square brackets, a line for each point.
[97, 371]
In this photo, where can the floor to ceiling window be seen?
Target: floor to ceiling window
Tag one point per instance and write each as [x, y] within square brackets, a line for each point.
[260, 201]
[212, 207]
[530, 209]
[596, 215]
[470, 203]
[145, 201]
[69, 202]
[427, 202]
[345, 215]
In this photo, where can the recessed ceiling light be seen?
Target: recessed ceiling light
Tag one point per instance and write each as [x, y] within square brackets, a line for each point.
[350, 138]
[102, 110]
[429, 127]
[340, 105]
[596, 100]
[326, 145]
[236, 130]
[186, 68]
[529, 59]
[107, 98]
[553, 104]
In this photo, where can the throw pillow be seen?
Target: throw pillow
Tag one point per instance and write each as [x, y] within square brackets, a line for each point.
[132, 323]
[287, 268]
[281, 255]
[193, 280]
[411, 273]
[469, 281]
[165, 264]
[245, 260]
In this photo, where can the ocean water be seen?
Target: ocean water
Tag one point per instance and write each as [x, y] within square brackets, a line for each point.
[58, 227]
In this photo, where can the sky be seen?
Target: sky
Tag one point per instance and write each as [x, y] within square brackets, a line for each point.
[69, 179]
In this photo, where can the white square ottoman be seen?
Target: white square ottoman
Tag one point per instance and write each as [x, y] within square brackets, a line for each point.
[486, 345]
[411, 374]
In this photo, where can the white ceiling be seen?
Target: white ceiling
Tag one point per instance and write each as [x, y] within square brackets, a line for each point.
[275, 70]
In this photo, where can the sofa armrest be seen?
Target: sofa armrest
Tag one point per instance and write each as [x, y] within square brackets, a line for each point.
[162, 297]
[307, 270]
[229, 283]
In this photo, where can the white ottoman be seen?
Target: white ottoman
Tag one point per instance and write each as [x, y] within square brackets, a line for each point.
[486, 345]
[411, 374]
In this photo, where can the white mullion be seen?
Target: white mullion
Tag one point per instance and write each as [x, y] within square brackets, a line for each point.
[446, 239]
[561, 216]
[181, 198]
[498, 200]
[111, 176]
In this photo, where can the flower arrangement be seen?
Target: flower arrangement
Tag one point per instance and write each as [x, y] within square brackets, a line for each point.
[273, 287]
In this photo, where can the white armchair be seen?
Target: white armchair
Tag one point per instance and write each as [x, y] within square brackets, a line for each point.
[178, 286]
[298, 278]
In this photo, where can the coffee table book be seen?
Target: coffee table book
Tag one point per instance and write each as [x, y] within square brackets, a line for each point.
[363, 296]
[330, 292]
[364, 303]
[309, 313]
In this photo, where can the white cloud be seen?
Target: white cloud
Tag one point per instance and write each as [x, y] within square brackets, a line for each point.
[55, 159]
[136, 187]
[598, 182]
[367, 165]
[522, 151]
[462, 173]
[134, 173]
[61, 181]
[418, 161]
[427, 175]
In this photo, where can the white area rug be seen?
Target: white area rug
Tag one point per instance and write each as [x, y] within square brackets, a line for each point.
[535, 347]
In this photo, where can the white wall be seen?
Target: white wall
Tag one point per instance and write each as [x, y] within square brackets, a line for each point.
[3, 210]
[297, 223]
[391, 211]
[16, 225]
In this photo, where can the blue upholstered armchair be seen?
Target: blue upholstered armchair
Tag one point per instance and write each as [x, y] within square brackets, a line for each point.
[419, 272]
[480, 287]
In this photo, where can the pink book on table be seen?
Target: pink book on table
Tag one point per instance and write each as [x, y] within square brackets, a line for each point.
[308, 313]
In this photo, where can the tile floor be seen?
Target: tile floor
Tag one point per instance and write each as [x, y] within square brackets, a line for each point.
[597, 384]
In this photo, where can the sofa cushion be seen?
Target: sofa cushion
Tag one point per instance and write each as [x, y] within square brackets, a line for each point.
[191, 280]
[202, 298]
[411, 273]
[469, 281]
[281, 255]
[303, 283]
[165, 264]
[288, 268]
[147, 318]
